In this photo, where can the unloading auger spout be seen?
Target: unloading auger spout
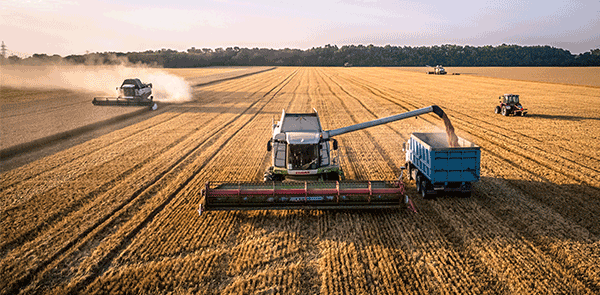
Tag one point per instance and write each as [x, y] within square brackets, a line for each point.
[435, 109]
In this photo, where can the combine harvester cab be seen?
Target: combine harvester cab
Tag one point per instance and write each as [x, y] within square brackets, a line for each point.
[305, 175]
[132, 93]
[298, 151]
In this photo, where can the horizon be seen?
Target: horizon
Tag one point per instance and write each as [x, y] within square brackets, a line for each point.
[66, 27]
[303, 49]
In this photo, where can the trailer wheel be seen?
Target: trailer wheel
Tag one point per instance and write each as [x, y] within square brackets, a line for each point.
[425, 186]
[418, 183]
[424, 189]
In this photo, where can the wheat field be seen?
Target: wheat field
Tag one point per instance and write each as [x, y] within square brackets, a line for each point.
[117, 213]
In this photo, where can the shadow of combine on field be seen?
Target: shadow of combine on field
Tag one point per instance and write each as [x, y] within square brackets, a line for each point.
[572, 203]
[577, 203]
[513, 201]
[516, 221]
[561, 117]
[357, 245]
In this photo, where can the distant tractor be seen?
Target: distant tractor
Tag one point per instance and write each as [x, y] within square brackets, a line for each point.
[510, 105]
[437, 70]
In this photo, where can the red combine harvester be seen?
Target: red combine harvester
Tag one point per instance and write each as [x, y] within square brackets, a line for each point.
[305, 173]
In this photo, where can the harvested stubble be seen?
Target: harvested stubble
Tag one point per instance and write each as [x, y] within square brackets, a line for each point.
[118, 212]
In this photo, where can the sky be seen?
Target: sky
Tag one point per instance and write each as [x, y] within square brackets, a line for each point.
[66, 27]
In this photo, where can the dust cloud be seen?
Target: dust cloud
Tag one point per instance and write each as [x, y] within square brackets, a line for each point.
[100, 80]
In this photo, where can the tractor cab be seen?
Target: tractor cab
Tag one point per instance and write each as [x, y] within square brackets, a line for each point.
[511, 99]
[509, 104]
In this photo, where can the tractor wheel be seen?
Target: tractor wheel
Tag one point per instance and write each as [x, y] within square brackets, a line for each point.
[504, 111]
[522, 114]
[268, 176]
[497, 110]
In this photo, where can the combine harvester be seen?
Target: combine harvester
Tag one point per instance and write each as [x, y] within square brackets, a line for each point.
[437, 70]
[304, 175]
[132, 93]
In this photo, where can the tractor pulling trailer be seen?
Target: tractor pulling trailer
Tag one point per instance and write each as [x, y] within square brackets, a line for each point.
[305, 175]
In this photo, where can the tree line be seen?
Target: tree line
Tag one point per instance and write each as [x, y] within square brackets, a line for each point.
[350, 55]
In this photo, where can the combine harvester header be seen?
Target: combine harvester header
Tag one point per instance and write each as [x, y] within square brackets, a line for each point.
[305, 175]
[302, 195]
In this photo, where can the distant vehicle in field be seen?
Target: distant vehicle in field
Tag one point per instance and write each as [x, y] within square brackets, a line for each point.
[437, 70]
[132, 93]
[509, 104]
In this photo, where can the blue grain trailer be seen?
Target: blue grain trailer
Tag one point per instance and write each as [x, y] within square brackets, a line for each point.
[436, 167]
